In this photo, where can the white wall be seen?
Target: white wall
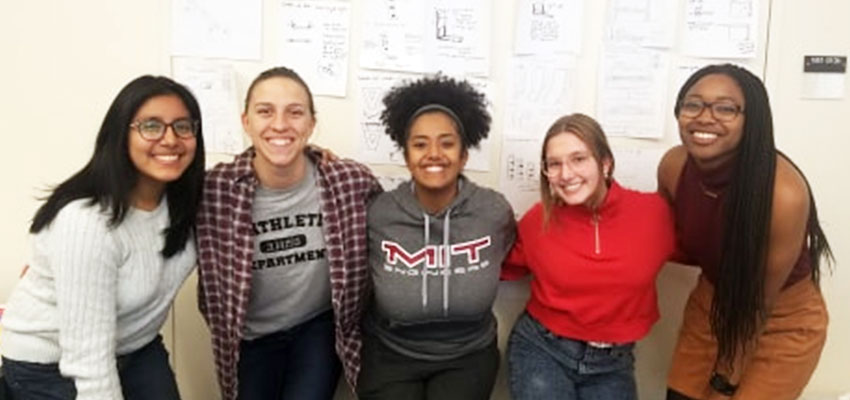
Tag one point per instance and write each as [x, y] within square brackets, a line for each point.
[63, 62]
[814, 134]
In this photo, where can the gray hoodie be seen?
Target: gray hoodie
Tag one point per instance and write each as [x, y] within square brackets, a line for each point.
[435, 276]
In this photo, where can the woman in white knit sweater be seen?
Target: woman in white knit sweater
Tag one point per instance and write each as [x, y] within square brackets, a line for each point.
[111, 246]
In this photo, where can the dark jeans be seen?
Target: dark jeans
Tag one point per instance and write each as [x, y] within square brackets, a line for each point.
[296, 364]
[144, 374]
[545, 366]
[387, 375]
[4, 390]
[674, 395]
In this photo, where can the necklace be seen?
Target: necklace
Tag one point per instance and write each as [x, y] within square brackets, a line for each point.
[709, 193]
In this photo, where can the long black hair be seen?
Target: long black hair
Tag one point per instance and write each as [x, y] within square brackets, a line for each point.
[737, 307]
[109, 177]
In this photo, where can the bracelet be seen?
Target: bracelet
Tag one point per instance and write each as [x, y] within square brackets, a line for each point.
[721, 384]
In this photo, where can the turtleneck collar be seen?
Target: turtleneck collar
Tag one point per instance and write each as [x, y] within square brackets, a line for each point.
[715, 179]
[608, 206]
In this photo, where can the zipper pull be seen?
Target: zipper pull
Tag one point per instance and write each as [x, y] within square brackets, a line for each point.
[596, 232]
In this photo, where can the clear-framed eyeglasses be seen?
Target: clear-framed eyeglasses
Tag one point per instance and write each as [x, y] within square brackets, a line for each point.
[721, 110]
[154, 128]
[553, 166]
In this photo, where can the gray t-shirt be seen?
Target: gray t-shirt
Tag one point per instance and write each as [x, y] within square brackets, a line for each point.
[291, 279]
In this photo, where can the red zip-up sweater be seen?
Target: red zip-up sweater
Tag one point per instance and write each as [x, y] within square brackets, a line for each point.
[594, 271]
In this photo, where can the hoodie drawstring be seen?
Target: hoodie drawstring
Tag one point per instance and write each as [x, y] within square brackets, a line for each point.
[425, 265]
[444, 261]
[448, 259]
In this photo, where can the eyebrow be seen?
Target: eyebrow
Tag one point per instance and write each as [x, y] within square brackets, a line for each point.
[734, 100]
[570, 154]
[442, 135]
[143, 118]
[271, 104]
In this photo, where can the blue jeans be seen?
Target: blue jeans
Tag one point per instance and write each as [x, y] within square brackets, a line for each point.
[296, 364]
[144, 375]
[545, 366]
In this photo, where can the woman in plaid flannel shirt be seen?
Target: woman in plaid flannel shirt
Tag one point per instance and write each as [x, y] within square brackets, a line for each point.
[282, 253]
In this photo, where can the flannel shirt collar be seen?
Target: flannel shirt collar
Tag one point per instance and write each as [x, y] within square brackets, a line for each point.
[243, 165]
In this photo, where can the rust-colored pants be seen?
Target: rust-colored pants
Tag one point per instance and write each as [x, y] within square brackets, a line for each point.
[788, 349]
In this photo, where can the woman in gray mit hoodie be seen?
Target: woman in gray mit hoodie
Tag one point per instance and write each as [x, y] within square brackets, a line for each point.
[436, 244]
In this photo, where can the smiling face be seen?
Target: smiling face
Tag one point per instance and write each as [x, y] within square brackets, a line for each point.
[709, 141]
[574, 175]
[163, 160]
[279, 122]
[434, 152]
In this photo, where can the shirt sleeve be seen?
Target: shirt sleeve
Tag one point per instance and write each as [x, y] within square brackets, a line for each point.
[375, 187]
[86, 260]
[515, 265]
[203, 233]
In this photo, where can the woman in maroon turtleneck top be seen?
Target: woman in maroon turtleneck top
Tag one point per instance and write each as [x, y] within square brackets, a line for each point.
[755, 324]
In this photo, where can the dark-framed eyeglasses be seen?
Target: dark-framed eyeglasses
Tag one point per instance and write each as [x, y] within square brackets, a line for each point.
[721, 110]
[154, 128]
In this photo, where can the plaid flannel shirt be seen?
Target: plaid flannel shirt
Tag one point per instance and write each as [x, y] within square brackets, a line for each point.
[225, 251]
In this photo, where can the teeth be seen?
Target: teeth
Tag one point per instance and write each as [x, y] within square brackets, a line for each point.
[705, 135]
[280, 141]
[166, 157]
[572, 187]
[434, 168]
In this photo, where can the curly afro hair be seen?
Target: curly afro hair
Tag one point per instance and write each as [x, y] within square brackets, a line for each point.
[408, 100]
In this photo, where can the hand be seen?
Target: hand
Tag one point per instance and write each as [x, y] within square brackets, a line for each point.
[721, 384]
[327, 155]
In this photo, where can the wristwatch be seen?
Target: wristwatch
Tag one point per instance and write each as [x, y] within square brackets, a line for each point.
[721, 384]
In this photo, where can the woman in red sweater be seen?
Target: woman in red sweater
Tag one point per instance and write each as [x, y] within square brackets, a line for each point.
[594, 249]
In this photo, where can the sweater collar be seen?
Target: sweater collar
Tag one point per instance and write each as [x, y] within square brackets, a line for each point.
[243, 168]
[607, 208]
[406, 198]
[716, 179]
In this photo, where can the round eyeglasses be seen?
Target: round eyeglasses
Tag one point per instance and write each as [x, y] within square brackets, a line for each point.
[721, 110]
[154, 129]
[555, 165]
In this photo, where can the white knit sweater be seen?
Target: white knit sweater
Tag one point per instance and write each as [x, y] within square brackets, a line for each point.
[93, 292]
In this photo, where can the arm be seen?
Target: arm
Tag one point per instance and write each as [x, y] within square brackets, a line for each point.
[368, 185]
[201, 294]
[375, 188]
[204, 228]
[515, 266]
[788, 226]
[669, 170]
[325, 154]
[86, 261]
